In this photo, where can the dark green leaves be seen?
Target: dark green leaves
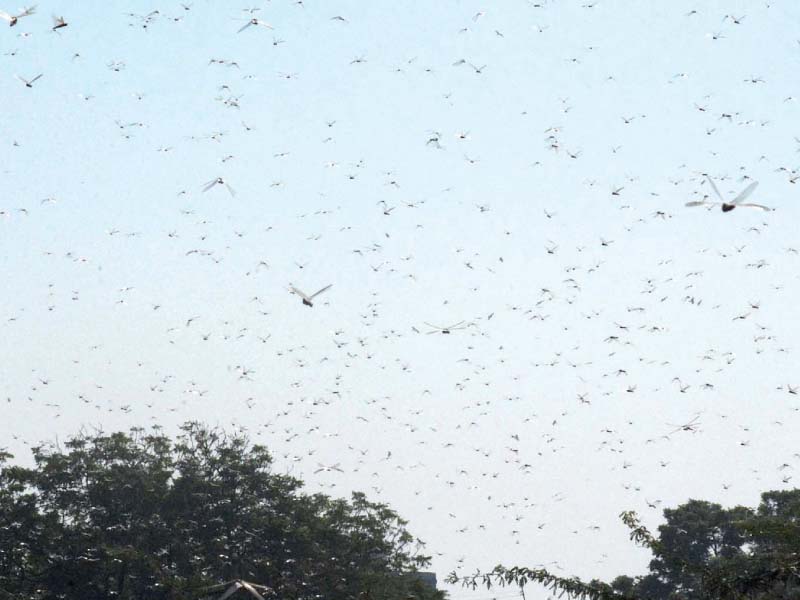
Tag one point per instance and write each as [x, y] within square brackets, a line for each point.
[703, 552]
[138, 515]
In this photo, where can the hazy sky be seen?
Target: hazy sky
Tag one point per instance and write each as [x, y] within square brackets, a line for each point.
[376, 152]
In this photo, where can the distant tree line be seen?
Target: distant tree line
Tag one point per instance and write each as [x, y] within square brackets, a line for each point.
[703, 552]
[139, 515]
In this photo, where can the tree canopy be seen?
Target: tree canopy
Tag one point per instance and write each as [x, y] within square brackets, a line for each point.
[702, 552]
[140, 515]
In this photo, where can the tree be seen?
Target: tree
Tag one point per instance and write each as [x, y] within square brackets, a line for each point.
[702, 552]
[20, 528]
[696, 533]
[138, 515]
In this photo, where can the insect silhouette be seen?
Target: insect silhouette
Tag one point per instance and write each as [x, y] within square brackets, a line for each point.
[308, 300]
[447, 330]
[737, 201]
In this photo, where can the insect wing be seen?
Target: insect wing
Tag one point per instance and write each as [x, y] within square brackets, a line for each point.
[714, 187]
[318, 292]
[231, 590]
[252, 590]
[300, 293]
[743, 195]
[761, 206]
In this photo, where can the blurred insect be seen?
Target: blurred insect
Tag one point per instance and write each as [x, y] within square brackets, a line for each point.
[255, 22]
[218, 181]
[58, 23]
[689, 426]
[308, 300]
[447, 329]
[12, 19]
[27, 82]
[729, 206]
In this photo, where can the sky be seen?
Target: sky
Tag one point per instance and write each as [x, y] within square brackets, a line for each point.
[516, 171]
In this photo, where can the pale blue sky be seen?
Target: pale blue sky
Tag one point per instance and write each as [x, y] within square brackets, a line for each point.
[351, 380]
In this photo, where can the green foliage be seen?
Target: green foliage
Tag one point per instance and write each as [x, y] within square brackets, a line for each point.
[703, 552]
[573, 587]
[697, 536]
[138, 515]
